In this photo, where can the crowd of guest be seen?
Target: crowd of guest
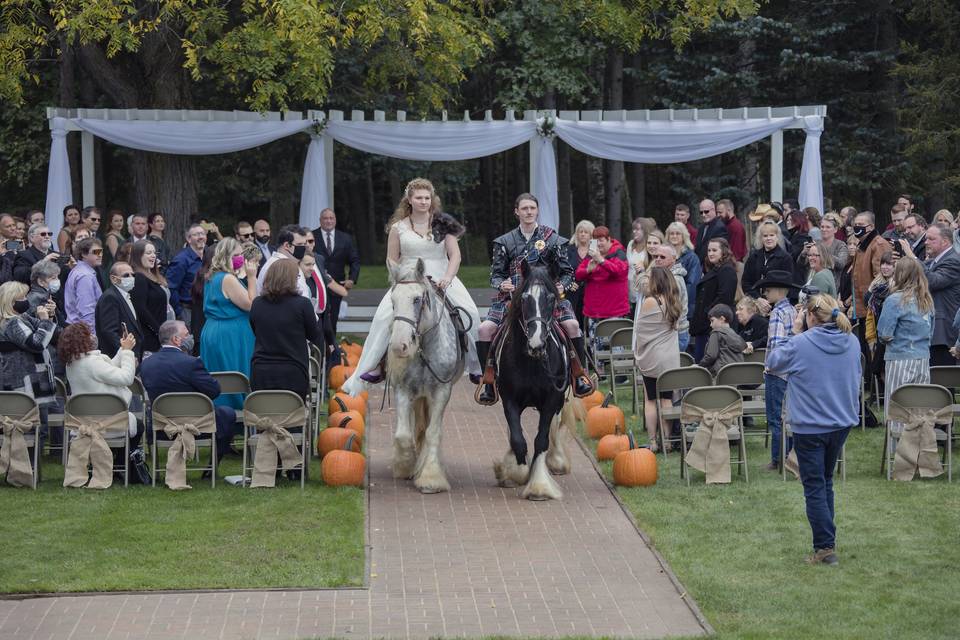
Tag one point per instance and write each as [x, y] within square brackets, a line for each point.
[96, 304]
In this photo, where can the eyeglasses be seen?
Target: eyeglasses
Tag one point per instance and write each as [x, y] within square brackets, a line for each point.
[659, 257]
[705, 211]
[125, 275]
[45, 234]
[96, 252]
[94, 219]
[246, 235]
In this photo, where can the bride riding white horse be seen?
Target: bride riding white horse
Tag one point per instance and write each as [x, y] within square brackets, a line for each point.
[418, 230]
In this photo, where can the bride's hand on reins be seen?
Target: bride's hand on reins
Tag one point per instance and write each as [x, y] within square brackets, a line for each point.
[443, 284]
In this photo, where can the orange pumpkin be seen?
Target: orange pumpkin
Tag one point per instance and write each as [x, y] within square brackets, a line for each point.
[345, 402]
[344, 467]
[348, 419]
[609, 446]
[605, 420]
[635, 468]
[333, 438]
[339, 375]
[353, 359]
[595, 399]
[351, 347]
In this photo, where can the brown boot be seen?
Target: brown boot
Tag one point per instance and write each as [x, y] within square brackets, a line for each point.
[582, 385]
[486, 393]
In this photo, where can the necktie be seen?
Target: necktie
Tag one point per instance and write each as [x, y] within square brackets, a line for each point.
[329, 242]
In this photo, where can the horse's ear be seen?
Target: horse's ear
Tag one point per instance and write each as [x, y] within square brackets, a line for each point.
[525, 269]
[421, 269]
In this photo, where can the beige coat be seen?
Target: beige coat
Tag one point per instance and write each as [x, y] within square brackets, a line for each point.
[96, 372]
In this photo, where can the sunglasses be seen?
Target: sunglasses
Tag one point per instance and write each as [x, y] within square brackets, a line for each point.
[45, 234]
[704, 211]
[96, 252]
[246, 235]
[94, 219]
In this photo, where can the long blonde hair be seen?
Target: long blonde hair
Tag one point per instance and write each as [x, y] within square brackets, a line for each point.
[223, 257]
[404, 209]
[911, 282]
[826, 310]
[683, 231]
[662, 286]
[10, 292]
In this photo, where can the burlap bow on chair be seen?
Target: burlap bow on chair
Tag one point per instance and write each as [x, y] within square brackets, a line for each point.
[183, 430]
[90, 448]
[14, 457]
[710, 451]
[917, 449]
[274, 440]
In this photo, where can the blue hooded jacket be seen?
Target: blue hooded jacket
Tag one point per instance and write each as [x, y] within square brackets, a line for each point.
[822, 368]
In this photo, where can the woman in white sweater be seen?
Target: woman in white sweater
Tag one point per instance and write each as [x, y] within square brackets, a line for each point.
[89, 371]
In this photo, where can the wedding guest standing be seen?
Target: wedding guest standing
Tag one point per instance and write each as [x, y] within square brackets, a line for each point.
[577, 250]
[339, 253]
[150, 295]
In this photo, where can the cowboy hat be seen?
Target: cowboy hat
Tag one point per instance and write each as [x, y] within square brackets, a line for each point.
[762, 211]
[778, 279]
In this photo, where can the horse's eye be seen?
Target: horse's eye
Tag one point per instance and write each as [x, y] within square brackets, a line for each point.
[417, 300]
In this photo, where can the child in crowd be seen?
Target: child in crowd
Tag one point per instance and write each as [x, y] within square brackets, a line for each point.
[753, 326]
[776, 287]
[724, 345]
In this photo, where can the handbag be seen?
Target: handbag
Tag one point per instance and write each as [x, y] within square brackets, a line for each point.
[138, 467]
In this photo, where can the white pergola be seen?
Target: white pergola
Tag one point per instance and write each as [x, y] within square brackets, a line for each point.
[645, 136]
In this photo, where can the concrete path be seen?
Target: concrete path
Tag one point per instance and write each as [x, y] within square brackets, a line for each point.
[477, 561]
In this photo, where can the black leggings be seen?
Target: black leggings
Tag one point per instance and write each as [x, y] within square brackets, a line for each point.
[650, 387]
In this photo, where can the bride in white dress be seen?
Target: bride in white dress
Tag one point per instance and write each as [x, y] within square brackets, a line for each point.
[418, 230]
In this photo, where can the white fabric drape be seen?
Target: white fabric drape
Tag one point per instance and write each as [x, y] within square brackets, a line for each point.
[59, 187]
[811, 178]
[313, 194]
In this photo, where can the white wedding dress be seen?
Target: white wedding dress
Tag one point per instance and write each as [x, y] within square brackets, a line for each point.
[434, 256]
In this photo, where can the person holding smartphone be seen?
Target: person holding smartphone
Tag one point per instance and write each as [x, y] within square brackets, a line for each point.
[40, 248]
[606, 272]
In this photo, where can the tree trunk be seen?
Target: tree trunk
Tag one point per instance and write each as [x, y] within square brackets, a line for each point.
[749, 168]
[167, 184]
[637, 182]
[596, 192]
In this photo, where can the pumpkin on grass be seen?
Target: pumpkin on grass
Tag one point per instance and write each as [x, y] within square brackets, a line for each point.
[635, 468]
[605, 420]
[341, 401]
[344, 417]
[593, 400]
[333, 438]
[610, 445]
[340, 373]
[344, 467]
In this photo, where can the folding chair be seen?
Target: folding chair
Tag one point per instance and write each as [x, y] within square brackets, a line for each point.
[15, 405]
[185, 405]
[317, 382]
[139, 393]
[275, 404]
[714, 398]
[758, 355]
[686, 360]
[99, 405]
[747, 378]
[621, 361]
[920, 396]
[601, 337]
[233, 382]
[677, 380]
[55, 417]
[318, 355]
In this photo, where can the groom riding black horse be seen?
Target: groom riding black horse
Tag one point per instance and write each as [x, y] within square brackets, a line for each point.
[529, 245]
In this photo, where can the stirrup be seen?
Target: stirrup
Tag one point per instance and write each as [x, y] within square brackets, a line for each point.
[486, 402]
[586, 381]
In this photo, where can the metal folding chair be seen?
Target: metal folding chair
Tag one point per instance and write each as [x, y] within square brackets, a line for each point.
[758, 355]
[747, 378]
[920, 396]
[686, 360]
[233, 382]
[601, 336]
[714, 398]
[15, 405]
[677, 380]
[98, 405]
[184, 405]
[55, 417]
[276, 404]
[621, 361]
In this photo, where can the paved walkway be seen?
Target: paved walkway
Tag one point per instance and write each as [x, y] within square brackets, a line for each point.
[477, 561]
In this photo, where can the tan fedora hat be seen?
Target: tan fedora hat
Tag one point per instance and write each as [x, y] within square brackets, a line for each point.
[762, 211]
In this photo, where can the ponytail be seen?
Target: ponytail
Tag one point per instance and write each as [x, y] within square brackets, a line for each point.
[827, 310]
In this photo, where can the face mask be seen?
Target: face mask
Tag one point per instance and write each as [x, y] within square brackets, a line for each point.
[126, 284]
[21, 306]
[859, 231]
[299, 252]
[237, 262]
[263, 239]
[186, 344]
[53, 286]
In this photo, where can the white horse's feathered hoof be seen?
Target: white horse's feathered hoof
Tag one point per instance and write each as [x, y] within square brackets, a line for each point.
[508, 472]
[431, 480]
[541, 485]
[404, 459]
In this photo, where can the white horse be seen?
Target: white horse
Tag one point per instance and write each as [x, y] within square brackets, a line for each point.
[424, 360]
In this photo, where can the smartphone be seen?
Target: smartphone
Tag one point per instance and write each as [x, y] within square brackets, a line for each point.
[13, 245]
[123, 328]
[63, 260]
[594, 245]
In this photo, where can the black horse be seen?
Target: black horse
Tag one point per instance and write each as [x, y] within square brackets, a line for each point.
[533, 371]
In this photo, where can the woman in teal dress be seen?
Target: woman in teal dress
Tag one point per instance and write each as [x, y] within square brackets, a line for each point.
[226, 342]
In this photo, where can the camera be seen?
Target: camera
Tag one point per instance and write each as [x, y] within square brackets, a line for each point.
[63, 261]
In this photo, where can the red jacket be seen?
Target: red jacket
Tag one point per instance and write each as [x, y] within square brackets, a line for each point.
[737, 236]
[692, 230]
[607, 293]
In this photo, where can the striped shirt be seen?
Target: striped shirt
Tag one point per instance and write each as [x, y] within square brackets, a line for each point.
[781, 324]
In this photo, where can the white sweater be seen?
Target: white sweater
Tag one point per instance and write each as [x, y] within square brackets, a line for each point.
[97, 373]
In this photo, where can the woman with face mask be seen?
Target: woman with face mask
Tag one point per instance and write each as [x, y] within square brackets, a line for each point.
[44, 285]
[25, 363]
[227, 341]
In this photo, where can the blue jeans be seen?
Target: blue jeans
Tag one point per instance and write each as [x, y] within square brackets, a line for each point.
[817, 456]
[776, 389]
[684, 337]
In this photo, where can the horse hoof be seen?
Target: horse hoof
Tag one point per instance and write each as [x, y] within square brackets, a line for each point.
[429, 490]
[538, 498]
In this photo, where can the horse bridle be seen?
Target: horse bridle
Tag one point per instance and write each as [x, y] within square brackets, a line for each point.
[417, 335]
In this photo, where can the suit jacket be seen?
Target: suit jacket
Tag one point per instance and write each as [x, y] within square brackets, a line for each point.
[24, 263]
[712, 230]
[111, 310]
[170, 370]
[944, 280]
[344, 253]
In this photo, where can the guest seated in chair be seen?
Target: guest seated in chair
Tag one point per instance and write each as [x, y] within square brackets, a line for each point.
[173, 370]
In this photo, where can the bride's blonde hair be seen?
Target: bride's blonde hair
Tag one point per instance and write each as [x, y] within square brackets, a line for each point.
[404, 209]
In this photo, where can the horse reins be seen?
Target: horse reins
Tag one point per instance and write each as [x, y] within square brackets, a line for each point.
[418, 336]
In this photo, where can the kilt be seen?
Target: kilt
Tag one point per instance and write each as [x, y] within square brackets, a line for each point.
[498, 311]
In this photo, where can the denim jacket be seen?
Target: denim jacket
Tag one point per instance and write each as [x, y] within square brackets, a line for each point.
[906, 332]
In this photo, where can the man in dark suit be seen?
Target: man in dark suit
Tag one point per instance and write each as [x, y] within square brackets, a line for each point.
[712, 228]
[174, 370]
[40, 239]
[943, 275]
[338, 250]
[114, 310]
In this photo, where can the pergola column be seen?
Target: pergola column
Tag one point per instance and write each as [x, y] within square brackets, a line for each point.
[776, 167]
[88, 169]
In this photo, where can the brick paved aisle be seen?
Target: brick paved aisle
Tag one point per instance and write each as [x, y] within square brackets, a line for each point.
[477, 561]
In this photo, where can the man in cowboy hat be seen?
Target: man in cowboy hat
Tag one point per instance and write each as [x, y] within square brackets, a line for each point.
[776, 287]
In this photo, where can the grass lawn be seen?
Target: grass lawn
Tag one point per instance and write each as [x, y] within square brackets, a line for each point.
[374, 276]
[739, 548]
[144, 538]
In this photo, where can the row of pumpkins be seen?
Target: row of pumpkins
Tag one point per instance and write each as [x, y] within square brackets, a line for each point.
[632, 466]
[340, 445]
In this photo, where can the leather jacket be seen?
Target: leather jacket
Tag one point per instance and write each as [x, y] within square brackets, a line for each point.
[544, 248]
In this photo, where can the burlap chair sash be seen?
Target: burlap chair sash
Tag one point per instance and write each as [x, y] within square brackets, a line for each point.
[183, 430]
[710, 451]
[14, 457]
[917, 448]
[274, 440]
[90, 448]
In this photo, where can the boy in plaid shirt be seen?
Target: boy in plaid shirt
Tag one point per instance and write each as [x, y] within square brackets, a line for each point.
[775, 287]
